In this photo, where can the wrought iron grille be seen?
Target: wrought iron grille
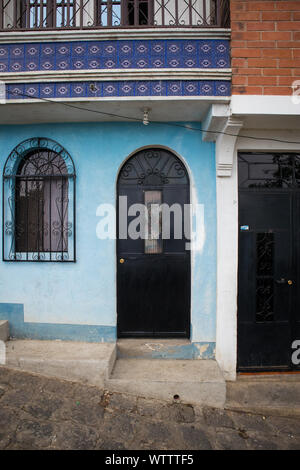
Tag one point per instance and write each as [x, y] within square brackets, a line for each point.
[269, 171]
[89, 14]
[264, 277]
[39, 203]
[153, 167]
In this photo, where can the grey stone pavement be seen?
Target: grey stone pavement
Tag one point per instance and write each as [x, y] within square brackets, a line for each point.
[38, 412]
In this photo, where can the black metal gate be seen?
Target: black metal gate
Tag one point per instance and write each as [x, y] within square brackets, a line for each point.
[153, 273]
[269, 261]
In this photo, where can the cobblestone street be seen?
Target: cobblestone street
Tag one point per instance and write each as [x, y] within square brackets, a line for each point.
[38, 412]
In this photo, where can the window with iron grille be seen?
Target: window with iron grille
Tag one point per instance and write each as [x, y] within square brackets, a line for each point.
[39, 203]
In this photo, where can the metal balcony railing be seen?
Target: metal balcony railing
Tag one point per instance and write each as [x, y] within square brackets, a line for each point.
[40, 15]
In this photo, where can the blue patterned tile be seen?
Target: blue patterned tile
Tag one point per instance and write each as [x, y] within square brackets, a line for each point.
[32, 91]
[142, 48]
[141, 62]
[190, 48]
[47, 63]
[157, 62]
[4, 52]
[190, 88]
[174, 88]
[157, 48]
[127, 88]
[32, 50]
[93, 64]
[47, 90]
[78, 90]
[63, 49]
[4, 65]
[158, 88]
[94, 50]
[47, 50]
[125, 63]
[79, 63]
[207, 88]
[223, 88]
[126, 48]
[16, 65]
[63, 90]
[109, 49]
[79, 49]
[174, 62]
[143, 89]
[109, 63]
[63, 63]
[110, 89]
[95, 90]
[189, 62]
[32, 65]
[17, 51]
[173, 48]
[15, 92]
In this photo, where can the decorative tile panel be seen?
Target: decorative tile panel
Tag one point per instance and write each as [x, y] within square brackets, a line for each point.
[116, 88]
[117, 54]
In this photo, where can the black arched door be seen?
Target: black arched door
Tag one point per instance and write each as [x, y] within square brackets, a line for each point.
[153, 270]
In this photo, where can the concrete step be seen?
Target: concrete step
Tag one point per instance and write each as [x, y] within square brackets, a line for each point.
[77, 361]
[4, 330]
[266, 394]
[197, 382]
[153, 348]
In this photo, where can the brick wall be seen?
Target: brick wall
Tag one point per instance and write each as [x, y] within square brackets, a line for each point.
[265, 46]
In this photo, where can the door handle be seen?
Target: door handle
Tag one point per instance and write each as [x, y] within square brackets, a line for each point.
[122, 260]
[284, 281]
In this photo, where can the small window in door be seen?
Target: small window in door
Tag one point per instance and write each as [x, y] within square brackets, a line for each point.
[153, 242]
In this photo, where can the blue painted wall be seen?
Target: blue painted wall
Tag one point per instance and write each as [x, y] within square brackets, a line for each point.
[48, 300]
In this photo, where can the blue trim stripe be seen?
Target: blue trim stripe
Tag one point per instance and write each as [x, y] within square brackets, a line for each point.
[14, 313]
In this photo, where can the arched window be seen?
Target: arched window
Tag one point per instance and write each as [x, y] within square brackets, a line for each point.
[39, 203]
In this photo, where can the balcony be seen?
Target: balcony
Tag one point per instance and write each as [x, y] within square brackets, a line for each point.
[46, 15]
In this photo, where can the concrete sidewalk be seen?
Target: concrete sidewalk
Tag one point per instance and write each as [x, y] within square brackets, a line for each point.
[38, 412]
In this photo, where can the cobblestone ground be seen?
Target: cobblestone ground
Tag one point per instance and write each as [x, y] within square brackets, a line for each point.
[47, 413]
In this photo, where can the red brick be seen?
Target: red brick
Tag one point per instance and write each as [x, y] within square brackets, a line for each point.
[289, 63]
[288, 44]
[246, 52]
[262, 62]
[262, 81]
[277, 72]
[286, 81]
[276, 36]
[261, 26]
[276, 15]
[263, 44]
[237, 62]
[246, 16]
[239, 44]
[288, 26]
[243, 90]
[238, 26]
[296, 15]
[238, 6]
[261, 6]
[296, 53]
[277, 53]
[296, 35]
[277, 90]
[288, 6]
[239, 80]
[248, 71]
[249, 36]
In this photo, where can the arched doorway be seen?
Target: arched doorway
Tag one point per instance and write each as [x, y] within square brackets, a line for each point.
[153, 271]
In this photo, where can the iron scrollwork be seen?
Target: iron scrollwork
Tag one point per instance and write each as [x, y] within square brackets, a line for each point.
[153, 167]
[39, 203]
